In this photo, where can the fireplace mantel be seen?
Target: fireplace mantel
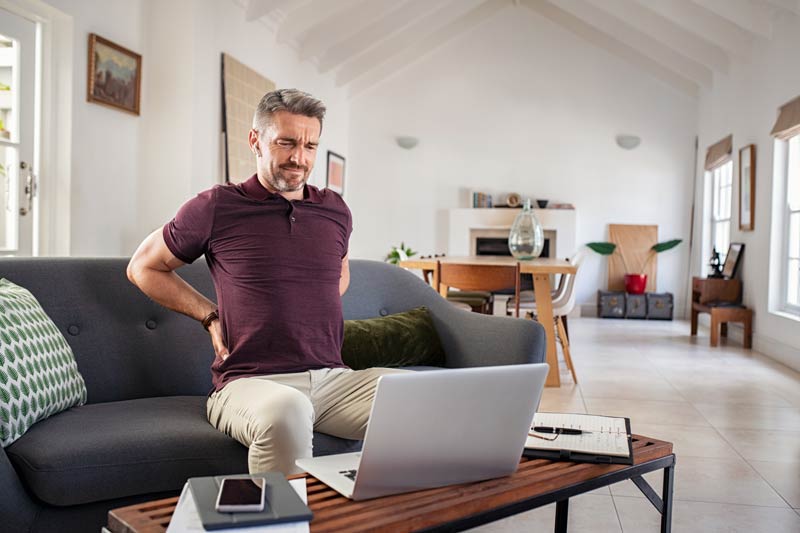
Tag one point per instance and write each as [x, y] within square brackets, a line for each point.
[464, 222]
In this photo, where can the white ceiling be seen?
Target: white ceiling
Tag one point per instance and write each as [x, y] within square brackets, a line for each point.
[681, 42]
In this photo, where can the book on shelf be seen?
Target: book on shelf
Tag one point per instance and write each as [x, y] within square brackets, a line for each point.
[581, 438]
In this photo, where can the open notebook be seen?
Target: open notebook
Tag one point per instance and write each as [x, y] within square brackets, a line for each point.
[603, 439]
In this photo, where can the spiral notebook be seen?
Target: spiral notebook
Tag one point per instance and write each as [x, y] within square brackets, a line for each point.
[602, 439]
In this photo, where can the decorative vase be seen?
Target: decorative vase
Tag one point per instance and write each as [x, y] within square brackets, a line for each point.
[635, 283]
[526, 239]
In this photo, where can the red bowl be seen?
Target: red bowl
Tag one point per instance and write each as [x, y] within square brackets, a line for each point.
[635, 283]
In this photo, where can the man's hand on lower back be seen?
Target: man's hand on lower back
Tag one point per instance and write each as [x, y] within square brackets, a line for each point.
[215, 329]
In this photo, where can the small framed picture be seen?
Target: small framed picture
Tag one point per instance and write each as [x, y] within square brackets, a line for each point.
[747, 187]
[335, 177]
[114, 75]
[732, 260]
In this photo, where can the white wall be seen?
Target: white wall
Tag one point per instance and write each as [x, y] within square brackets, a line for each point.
[130, 174]
[745, 103]
[181, 134]
[519, 104]
[105, 142]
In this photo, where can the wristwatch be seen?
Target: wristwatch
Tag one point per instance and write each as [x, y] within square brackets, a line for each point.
[211, 317]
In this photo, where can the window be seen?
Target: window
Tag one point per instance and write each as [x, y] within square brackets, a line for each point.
[721, 194]
[792, 244]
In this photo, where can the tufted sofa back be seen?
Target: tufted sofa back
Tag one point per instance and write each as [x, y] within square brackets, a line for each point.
[127, 346]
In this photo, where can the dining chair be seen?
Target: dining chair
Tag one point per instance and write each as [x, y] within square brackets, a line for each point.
[477, 277]
[563, 304]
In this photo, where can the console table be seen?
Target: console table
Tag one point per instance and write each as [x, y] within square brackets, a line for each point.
[536, 482]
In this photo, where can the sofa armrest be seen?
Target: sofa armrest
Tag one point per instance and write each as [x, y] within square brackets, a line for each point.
[16, 507]
[472, 339]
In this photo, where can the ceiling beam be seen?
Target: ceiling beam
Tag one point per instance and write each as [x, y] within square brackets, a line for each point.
[667, 32]
[613, 45]
[791, 6]
[393, 22]
[406, 54]
[704, 24]
[347, 23]
[298, 21]
[635, 38]
[255, 9]
[749, 16]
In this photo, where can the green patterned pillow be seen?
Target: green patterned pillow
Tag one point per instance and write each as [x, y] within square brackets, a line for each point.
[38, 374]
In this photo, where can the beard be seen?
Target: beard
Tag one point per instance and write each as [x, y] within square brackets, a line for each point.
[282, 180]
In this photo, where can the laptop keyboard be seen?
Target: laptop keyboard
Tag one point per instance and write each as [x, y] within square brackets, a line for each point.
[350, 474]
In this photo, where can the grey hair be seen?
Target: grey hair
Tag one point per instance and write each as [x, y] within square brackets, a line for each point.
[291, 100]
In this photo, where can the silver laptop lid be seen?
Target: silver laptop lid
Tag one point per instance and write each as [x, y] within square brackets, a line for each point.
[436, 428]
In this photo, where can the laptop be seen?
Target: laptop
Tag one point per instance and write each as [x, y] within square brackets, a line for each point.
[436, 428]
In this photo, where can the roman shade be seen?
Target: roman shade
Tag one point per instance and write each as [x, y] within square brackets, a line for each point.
[788, 123]
[719, 153]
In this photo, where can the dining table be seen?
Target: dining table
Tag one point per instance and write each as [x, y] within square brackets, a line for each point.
[542, 271]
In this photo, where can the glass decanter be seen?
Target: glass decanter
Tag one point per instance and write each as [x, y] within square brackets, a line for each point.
[526, 239]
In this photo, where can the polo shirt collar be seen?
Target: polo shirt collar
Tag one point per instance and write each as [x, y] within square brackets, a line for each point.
[254, 189]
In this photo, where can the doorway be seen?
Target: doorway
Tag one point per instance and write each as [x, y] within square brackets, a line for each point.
[18, 93]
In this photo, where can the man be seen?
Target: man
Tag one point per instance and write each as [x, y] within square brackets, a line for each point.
[277, 251]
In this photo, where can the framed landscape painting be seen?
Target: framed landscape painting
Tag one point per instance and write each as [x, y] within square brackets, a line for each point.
[114, 75]
[335, 177]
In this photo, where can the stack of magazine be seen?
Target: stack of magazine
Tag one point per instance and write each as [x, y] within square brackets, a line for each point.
[285, 509]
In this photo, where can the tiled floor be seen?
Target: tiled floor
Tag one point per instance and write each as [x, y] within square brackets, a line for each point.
[733, 416]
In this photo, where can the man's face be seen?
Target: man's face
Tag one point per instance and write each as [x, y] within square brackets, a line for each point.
[288, 148]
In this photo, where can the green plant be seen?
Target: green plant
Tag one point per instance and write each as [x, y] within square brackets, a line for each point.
[397, 254]
[608, 248]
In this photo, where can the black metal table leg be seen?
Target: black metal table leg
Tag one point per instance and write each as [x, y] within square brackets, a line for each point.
[666, 496]
[562, 512]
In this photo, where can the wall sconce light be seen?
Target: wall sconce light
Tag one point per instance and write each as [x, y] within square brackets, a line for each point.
[628, 142]
[406, 142]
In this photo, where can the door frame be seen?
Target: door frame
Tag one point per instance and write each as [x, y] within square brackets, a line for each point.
[52, 159]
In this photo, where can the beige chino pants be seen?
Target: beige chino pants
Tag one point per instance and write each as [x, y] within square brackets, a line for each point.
[275, 416]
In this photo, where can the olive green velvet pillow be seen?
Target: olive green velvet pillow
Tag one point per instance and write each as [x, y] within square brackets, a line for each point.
[402, 339]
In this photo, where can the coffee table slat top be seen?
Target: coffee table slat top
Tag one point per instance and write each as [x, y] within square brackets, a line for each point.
[417, 510]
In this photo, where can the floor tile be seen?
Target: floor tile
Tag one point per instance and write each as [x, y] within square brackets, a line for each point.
[764, 445]
[710, 479]
[637, 515]
[689, 441]
[734, 416]
[647, 411]
[783, 477]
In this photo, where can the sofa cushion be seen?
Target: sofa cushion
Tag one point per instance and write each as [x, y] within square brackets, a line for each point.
[117, 449]
[38, 373]
[399, 340]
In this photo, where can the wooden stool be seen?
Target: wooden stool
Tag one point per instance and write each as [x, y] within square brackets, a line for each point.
[720, 316]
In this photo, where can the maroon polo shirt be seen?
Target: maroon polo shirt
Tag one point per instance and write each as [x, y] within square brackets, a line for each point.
[276, 266]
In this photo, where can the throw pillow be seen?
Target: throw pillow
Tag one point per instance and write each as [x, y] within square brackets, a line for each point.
[402, 339]
[38, 373]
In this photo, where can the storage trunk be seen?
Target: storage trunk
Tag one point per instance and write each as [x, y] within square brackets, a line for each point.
[659, 306]
[635, 306]
[610, 304]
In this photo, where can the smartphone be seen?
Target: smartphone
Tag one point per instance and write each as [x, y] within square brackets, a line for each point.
[238, 495]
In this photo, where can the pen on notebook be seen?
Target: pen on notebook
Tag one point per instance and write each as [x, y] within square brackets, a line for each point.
[564, 431]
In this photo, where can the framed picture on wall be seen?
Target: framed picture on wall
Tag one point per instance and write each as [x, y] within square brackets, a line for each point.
[335, 177]
[747, 187]
[114, 75]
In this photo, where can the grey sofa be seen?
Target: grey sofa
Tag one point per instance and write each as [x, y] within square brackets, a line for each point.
[144, 431]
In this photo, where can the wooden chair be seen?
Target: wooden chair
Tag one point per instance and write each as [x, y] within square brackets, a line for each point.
[477, 278]
[477, 302]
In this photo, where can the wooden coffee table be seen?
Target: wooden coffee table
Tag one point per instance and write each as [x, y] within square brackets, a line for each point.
[536, 482]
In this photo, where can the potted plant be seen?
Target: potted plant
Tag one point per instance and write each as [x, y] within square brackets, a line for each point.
[397, 254]
[635, 283]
